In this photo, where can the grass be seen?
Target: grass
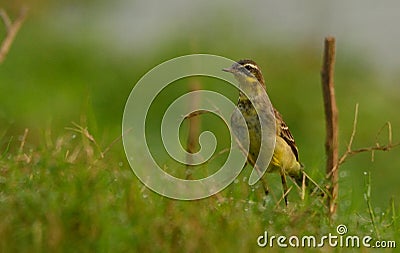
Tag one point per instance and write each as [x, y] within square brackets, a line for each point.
[63, 196]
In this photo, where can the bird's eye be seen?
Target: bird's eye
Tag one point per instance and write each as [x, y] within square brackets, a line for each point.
[248, 67]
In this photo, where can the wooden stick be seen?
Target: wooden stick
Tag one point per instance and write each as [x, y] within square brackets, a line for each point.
[331, 119]
[11, 31]
[194, 129]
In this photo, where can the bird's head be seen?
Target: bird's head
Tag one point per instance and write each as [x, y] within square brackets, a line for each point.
[246, 69]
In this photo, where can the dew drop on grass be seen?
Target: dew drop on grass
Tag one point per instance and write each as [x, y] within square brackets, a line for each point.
[236, 181]
[145, 196]
[244, 179]
[73, 136]
[120, 164]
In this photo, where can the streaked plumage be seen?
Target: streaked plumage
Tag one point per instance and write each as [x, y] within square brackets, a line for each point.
[285, 159]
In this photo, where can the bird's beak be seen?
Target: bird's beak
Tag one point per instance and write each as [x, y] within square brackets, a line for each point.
[230, 70]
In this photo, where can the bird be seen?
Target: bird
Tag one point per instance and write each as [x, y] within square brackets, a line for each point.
[285, 157]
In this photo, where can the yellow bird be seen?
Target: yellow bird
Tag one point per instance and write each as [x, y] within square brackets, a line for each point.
[285, 158]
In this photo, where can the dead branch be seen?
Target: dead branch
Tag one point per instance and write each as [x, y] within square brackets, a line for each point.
[194, 128]
[331, 119]
[11, 30]
[378, 147]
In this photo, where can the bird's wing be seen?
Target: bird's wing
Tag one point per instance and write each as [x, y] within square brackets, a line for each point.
[284, 133]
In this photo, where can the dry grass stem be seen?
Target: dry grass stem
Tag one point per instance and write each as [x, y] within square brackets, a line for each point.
[84, 131]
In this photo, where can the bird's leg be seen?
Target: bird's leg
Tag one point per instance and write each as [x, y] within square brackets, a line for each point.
[263, 181]
[265, 186]
[284, 186]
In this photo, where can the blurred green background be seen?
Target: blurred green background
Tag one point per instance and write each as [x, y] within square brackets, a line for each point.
[76, 61]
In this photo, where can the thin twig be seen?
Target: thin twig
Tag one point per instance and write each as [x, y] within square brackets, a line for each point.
[373, 148]
[326, 193]
[378, 147]
[6, 19]
[353, 133]
[223, 151]
[115, 141]
[389, 125]
[284, 195]
[11, 30]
